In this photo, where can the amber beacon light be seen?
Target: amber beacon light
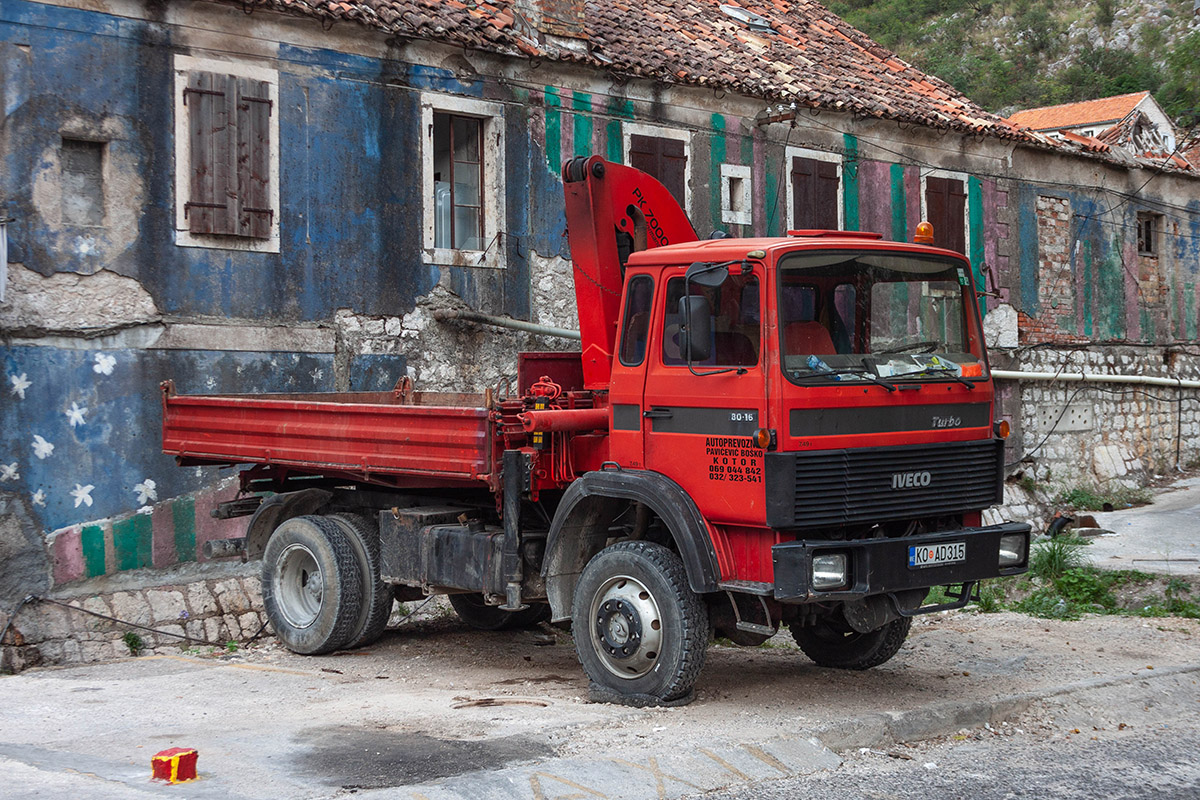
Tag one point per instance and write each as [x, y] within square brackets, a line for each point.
[924, 234]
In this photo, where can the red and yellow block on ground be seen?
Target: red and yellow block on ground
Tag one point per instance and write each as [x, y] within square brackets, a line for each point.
[175, 765]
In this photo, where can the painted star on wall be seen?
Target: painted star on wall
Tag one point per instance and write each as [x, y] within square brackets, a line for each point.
[104, 364]
[8, 472]
[147, 490]
[82, 494]
[75, 415]
[19, 384]
[39, 498]
[41, 448]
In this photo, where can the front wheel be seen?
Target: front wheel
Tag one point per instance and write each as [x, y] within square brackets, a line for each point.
[834, 644]
[639, 628]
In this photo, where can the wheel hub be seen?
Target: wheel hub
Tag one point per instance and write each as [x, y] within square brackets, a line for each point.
[626, 627]
[300, 587]
[619, 628]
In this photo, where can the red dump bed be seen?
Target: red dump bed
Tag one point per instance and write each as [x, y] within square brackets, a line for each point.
[386, 437]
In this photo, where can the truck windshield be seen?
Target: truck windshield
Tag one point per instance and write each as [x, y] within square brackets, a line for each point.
[871, 315]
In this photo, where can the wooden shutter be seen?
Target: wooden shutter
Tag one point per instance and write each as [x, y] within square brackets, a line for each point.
[946, 210]
[814, 194]
[665, 159]
[254, 159]
[229, 132]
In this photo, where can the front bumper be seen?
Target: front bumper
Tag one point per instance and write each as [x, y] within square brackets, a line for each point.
[881, 566]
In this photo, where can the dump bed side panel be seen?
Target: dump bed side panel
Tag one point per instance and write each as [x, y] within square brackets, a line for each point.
[360, 438]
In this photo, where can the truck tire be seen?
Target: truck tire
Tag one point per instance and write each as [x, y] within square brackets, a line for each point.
[472, 610]
[363, 535]
[640, 631]
[312, 585]
[836, 645]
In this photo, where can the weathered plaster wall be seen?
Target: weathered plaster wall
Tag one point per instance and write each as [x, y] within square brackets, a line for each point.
[98, 315]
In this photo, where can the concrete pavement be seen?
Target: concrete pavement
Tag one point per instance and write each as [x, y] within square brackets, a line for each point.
[1163, 537]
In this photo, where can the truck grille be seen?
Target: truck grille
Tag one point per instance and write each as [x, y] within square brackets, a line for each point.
[829, 488]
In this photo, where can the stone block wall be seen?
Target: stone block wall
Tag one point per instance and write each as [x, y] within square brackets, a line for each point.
[207, 612]
[1093, 434]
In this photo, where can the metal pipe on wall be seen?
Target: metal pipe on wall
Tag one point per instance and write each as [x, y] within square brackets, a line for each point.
[505, 322]
[1081, 377]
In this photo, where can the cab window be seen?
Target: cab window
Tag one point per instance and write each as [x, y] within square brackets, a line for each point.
[735, 322]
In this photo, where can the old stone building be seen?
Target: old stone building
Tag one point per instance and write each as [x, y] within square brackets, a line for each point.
[277, 195]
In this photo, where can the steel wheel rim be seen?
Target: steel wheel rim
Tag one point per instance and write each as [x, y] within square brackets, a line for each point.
[625, 624]
[301, 586]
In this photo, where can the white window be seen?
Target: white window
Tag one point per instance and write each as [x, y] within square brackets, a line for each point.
[735, 194]
[462, 141]
[226, 155]
[814, 190]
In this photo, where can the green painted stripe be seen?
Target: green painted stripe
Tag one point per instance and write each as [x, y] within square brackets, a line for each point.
[620, 108]
[899, 205]
[91, 541]
[1088, 292]
[775, 216]
[582, 101]
[716, 159]
[1189, 295]
[183, 514]
[850, 182]
[975, 236]
[553, 130]
[133, 542]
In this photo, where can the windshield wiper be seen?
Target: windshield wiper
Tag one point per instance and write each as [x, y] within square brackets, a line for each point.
[948, 371]
[862, 373]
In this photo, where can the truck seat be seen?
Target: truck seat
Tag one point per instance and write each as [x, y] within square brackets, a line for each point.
[808, 338]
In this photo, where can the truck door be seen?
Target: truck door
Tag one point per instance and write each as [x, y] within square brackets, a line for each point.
[629, 372]
[700, 418]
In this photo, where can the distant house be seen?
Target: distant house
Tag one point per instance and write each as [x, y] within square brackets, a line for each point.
[1134, 121]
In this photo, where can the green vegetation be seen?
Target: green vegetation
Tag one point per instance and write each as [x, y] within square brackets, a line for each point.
[1062, 584]
[1086, 498]
[1010, 54]
[134, 643]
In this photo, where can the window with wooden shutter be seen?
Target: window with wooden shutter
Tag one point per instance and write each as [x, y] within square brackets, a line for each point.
[229, 136]
[664, 159]
[814, 194]
[946, 210]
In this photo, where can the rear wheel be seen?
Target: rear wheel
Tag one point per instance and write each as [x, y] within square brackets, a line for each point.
[472, 610]
[312, 585]
[835, 644]
[639, 628]
[363, 535]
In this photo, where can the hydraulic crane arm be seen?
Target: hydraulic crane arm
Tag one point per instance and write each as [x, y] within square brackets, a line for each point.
[612, 211]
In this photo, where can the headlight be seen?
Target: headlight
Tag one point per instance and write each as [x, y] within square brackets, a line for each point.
[1012, 550]
[828, 571]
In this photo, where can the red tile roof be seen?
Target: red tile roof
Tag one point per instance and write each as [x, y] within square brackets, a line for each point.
[811, 58]
[1104, 111]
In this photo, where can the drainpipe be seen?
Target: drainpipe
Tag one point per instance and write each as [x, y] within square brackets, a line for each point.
[1080, 377]
[505, 322]
[4, 254]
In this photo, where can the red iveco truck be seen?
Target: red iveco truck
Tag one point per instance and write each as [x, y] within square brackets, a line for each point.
[758, 432]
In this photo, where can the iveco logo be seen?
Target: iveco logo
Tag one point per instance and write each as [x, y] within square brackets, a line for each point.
[910, 480]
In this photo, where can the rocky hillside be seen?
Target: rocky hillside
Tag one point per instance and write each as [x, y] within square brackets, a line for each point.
[1011, 54]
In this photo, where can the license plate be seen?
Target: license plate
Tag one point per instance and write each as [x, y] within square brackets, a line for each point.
[932, 555]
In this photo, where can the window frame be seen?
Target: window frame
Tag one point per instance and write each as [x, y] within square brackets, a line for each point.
[493, 189]
[1151, 219]
[631, 129]
[182, 66]
[744, 188]
[791, 153]
[966, 182]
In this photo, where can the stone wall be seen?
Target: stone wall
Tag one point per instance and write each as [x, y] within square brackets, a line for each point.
[211, 607]
[1100, 435]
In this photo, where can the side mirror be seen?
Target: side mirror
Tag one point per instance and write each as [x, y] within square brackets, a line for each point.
[696, 335]
[703, 273]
